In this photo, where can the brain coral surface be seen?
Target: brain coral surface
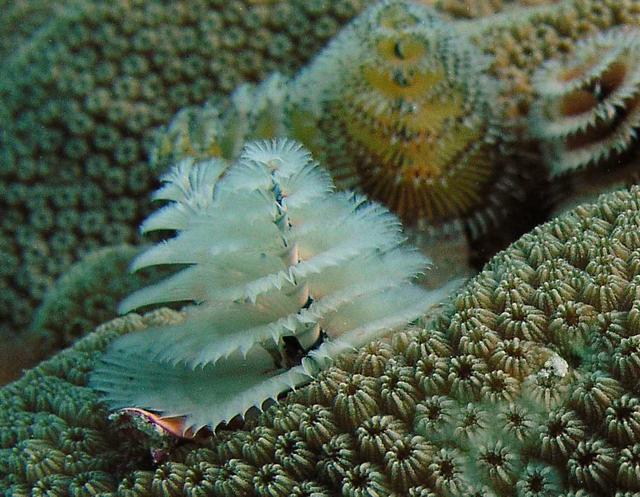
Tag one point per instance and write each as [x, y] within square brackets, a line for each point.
[526, 385]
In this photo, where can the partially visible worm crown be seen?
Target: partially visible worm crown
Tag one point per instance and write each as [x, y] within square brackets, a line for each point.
[403, 111]
[221, 127]
[285, 275]
[588, 108]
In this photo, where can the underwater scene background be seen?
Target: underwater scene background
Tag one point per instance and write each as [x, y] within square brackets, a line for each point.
[502, 135]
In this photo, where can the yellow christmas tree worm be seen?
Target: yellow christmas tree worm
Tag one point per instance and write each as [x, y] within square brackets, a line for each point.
[403, 111]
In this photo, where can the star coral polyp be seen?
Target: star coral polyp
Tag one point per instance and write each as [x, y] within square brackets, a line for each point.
[367, 423]
[82, 95]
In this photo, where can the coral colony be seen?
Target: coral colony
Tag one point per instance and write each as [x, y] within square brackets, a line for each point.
[525, 385]
[275, 371]
[396, 106]
[81, 101]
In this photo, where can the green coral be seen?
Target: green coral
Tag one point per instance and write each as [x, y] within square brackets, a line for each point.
[85, 296]
[395, 106]
[21, 18]
[55, 436]
[554, 375]
[80, 101]
[505, 393]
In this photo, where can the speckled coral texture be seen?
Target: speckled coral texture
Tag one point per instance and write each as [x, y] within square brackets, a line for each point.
[525, 385]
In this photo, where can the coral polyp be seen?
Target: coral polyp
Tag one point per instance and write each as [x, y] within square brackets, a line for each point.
[588, 108]
[403, 112]
[284, 275]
